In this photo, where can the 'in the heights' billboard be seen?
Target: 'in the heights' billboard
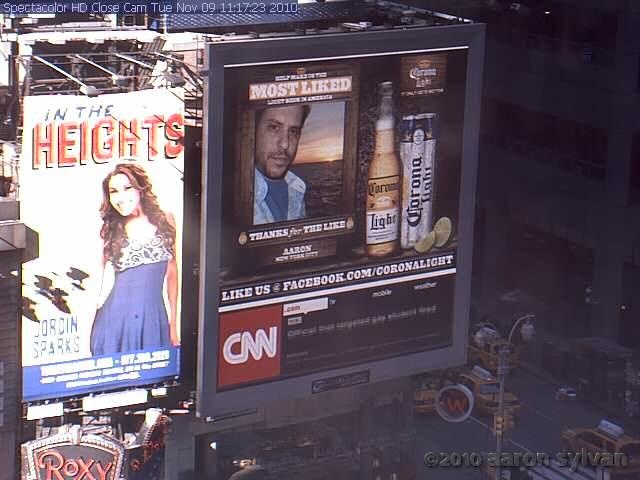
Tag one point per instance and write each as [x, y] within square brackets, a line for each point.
[101, 184]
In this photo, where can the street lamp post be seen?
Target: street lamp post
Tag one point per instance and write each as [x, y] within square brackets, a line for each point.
[527, 332]
[502, 365]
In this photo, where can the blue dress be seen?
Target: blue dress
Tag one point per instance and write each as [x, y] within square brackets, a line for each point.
[134, 317]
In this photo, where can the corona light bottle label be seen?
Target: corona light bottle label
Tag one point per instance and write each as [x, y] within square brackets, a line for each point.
[383, 188]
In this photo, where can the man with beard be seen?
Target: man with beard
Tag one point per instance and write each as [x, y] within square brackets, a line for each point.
[278, 192]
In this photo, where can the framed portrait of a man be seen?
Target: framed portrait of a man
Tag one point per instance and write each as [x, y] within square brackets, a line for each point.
[293, 160]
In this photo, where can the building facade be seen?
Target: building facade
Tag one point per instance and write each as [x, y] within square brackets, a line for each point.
[559, 166]
[11, 249]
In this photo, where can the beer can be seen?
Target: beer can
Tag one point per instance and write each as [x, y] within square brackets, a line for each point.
[430, 120]
[417, 154]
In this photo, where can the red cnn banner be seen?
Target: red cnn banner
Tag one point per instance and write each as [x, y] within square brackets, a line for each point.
[250, 344]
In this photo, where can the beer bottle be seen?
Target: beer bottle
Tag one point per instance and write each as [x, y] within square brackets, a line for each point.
[383, 188]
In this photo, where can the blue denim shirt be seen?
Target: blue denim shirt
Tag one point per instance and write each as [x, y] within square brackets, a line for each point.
[296, 209]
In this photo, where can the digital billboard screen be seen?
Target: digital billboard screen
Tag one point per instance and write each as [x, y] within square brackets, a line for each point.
[335, 191]
[101, 184]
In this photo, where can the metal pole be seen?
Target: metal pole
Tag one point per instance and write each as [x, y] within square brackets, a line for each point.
[502, 365]
[95, 65]
[58, 69]
[14, 86]
[502, 372]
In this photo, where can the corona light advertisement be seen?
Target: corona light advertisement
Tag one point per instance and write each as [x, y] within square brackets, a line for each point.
[101, 185]
[339, 210]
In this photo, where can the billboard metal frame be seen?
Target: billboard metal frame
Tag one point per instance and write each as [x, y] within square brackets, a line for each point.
[219, 56]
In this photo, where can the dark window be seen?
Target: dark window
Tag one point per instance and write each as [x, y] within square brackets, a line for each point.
[554, 27]
[634, 174]
[592, 26]
[571, 263]
[545, 138]
[630, 310]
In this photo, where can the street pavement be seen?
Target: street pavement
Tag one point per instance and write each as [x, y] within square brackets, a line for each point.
[538, 426]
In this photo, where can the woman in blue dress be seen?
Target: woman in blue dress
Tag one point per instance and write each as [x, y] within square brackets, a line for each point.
[139, 257]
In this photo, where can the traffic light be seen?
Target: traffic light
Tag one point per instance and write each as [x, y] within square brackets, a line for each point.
[508, 421]
[504, 422]
[498, 424]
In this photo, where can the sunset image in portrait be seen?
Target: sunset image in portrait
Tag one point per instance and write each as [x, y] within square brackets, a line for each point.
[323, 134]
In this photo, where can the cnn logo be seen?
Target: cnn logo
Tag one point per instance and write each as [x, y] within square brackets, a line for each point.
[250, 345]
[262, 344]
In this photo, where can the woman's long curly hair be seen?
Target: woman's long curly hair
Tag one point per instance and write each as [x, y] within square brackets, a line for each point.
[113, 232]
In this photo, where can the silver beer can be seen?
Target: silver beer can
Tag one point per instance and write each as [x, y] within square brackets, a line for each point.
[417, 154]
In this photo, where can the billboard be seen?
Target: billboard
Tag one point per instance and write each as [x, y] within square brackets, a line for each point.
[101, 182]
[338, 211]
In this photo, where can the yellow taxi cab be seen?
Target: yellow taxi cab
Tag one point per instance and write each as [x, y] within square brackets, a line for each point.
[424, 398]
[486, 388]
[487, 354]
[608, 438]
